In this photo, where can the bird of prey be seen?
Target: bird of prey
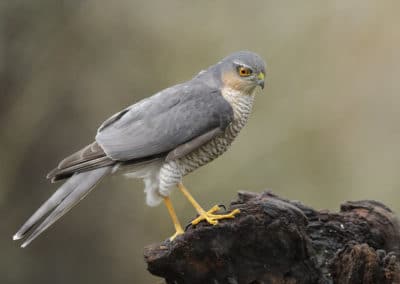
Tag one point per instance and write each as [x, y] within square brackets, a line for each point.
[160, 140]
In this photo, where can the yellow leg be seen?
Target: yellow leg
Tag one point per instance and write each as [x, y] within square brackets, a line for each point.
[209, 215]
[177, 224]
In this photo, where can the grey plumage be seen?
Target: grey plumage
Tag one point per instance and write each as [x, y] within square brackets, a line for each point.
[242, 106]
[164, 121]
[188, 147]
[66, 197]
[159, 139]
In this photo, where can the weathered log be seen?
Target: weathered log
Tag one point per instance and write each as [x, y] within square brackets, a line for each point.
[274, 240]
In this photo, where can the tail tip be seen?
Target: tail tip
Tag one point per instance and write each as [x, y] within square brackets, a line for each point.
[24, 244]
[17, 236]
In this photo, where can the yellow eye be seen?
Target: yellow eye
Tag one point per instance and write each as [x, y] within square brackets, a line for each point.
[244, 71]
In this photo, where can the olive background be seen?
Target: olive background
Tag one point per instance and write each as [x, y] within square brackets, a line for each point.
[325, 129]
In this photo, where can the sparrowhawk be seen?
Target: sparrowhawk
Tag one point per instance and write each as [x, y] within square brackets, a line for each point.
[160, 140]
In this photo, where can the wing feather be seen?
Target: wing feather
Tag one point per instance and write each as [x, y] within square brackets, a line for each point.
[193, 144]
[171, 123]
[164, 121]
[90, 157]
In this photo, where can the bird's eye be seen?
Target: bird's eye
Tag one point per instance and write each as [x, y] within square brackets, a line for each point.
[244, 71]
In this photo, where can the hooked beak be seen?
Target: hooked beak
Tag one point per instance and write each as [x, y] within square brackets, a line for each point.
[261, 79]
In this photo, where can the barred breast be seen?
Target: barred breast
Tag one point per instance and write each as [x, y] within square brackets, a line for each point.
[172, 172]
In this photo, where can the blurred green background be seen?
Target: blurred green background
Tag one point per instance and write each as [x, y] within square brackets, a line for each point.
[325, 130]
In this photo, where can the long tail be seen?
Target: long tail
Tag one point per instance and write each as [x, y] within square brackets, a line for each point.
[66, 197]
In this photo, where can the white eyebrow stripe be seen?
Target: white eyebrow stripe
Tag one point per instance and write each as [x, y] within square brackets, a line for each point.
[241, 64]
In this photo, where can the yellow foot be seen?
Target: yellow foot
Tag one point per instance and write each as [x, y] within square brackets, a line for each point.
[177, 233]
[213, 218]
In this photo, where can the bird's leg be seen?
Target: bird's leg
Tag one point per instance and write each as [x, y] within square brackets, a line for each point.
[209, 215]
[177, 224]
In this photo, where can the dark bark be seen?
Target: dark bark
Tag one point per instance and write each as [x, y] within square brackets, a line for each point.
[274, 240]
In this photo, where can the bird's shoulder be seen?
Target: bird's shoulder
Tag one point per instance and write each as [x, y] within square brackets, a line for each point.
[164, 121]
[184, 97]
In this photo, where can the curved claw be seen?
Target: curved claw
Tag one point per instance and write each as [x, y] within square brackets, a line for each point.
[222, 206]
[187, 226]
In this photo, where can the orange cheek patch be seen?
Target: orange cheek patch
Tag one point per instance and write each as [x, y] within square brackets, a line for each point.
[232, 80]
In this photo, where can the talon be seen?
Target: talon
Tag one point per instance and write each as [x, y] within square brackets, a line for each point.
[208, 216]
[211, 218]
[222, 206]
[187, 226]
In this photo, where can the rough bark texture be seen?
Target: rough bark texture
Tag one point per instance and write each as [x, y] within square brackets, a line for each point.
[274, 240]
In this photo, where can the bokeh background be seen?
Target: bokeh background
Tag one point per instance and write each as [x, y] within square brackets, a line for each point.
[325, 130]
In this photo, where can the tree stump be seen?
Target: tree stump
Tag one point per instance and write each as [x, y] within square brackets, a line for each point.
[274, 240]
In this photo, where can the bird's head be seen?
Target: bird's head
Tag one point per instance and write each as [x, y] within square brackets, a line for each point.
[242, 71]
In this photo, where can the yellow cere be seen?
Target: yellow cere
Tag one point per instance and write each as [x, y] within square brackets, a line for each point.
[261, 76]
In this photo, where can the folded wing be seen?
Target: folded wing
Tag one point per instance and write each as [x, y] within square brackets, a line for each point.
[175, 121]
[164, 121]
